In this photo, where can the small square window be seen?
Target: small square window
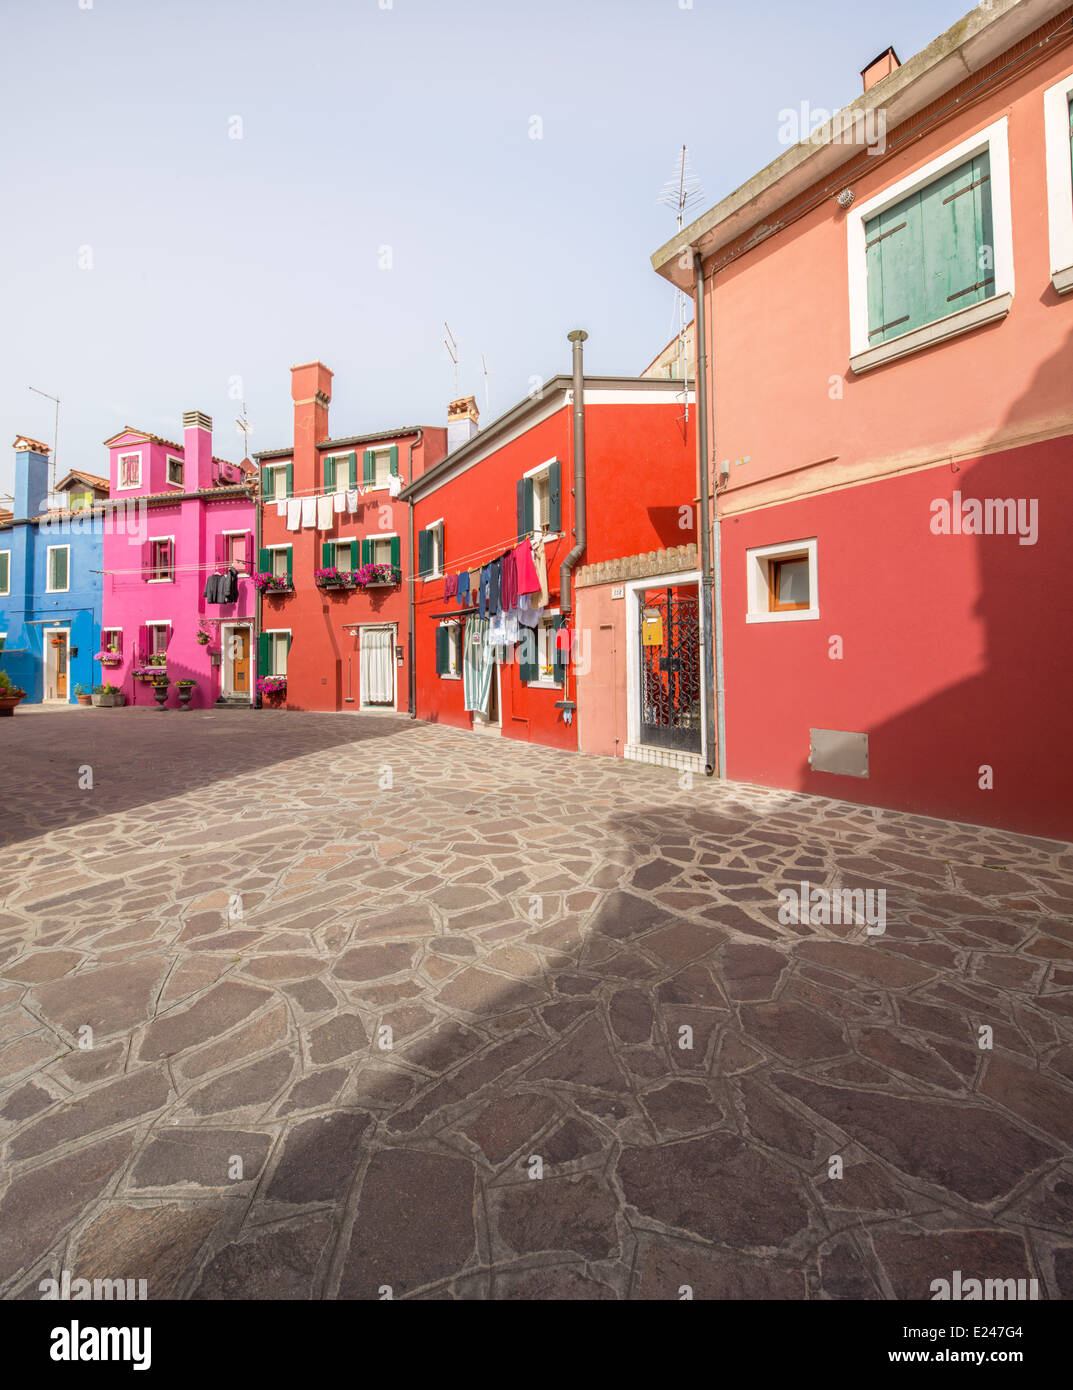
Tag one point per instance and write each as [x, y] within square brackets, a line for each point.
[279, 563]
[781, 583]
[175, 472]
[788, 584]
[58, 569]
[130, 470]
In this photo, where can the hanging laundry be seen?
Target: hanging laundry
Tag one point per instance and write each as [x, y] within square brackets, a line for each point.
[309, 511]
[222, 588]
[541, 568]
[394, 485]
[496, 635]
[462, 588]
[529, 615]
[281, 508]
[352, 499]
[450, 585]
[325, 512]
[509, 587]
[294, 513]
[340, 501]
[494, 586]
[528, 579]
[511, 631]
[482, 591]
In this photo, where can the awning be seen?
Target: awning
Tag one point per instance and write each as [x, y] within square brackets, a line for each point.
[455, 612]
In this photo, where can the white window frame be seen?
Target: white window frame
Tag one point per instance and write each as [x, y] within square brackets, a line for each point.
[337, 541]
[104, 633]
[994, 140]
[436, 528]
[169, 459]
[1059, 182]
[6, 590]
[376, 485]
[152, 624]
[454, 650]
[153, 541]
[274, 471]
[757, 561]
[50, 588]
[546, 623]
[121, 486]
[381, 536]
[278, 549]
[229, 535]
[274, 633]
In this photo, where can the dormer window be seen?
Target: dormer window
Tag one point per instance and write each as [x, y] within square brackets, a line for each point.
[130, 470]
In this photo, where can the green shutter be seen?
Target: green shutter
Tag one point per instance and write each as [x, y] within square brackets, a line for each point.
[559, 658]
[290, 560]
[423, 565]
[394, 460]
[329, 474]
[443, 656]
[366, 552]
[443, 551]
[264, 560]
[327, 554]
[290, 480]
[894, 258]
[555, 504]
[527, 654]
[352, 547]
[396, 551]
[352, 468]
[368, 467]
[525, 506]
[263, 645]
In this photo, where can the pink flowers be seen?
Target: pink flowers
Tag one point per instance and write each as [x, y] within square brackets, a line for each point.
[273, 583]
[272, 685]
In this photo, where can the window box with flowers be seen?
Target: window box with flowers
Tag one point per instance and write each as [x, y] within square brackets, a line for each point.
[378, 576]
[272, 688]
[334, 578]
[273, 585]
[109, 658]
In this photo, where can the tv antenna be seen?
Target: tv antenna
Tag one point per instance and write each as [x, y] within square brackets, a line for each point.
[245, 429]
[55, 438]
[484, 369]
[681, 193]
[452, 352]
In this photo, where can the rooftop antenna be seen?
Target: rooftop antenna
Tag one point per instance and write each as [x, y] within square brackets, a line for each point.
[681, 193]
[452, 352]
[245, 429]
[55, 439]
[484, 369]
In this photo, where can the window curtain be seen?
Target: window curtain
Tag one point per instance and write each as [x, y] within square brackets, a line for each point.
[478, 659]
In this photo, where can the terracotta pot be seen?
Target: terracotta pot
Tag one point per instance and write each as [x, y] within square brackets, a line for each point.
[84, 699]
[8, 703]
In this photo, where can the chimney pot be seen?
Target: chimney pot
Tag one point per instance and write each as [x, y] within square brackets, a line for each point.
[463, 422]
[886, 63]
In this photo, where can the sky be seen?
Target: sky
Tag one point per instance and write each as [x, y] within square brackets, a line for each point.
[201, 193]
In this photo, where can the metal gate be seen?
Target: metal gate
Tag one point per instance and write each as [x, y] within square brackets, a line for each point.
[671, 708]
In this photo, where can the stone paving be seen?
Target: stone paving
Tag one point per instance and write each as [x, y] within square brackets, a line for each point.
[378, 1005]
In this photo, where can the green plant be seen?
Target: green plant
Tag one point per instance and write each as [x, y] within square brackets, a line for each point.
[110, 690]
[81, 690]
[101, 689]
[186, 684]
[8, 686]
[157, 659]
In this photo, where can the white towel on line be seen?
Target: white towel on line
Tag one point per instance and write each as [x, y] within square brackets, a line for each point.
[352, 500]
[294, 513]
[281, 508]
[340, 501]
[309, 511]
[325, 513]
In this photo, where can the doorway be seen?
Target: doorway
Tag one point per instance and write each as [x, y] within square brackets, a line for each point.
[236, 681]
[56, 663]
[377, 667]
[670, 696]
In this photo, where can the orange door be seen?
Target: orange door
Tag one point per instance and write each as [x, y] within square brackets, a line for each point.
[240, 666]
[61, 670]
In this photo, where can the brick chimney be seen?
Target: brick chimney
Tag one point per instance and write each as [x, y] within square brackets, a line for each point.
[311, 391]
[887, 62]
[197, 450]
[31, 478]
[462, 422]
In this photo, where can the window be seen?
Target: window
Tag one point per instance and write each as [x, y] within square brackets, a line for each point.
[279, 481]
[379, 466]
[1058, 130]
[380, 550]
[159, 634]
[540, 499]
[539, 659]
[175, 472]
[130, 470]
[235, 548]
[277, 645]
[449, 650]
[161, 559]
[781, 582]
[5, 571]
[279, 561]
[340, 472]
[79, 501]
[58, 569]
[932, 256]
[111, 639]
[343, 554]
[430, 551]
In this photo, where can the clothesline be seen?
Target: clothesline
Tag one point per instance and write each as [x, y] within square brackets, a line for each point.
[362, 489]
[174, 569]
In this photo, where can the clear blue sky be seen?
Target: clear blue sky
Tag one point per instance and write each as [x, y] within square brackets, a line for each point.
[216, 258]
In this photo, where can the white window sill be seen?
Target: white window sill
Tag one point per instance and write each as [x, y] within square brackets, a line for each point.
[800, 615]
[543, 685]
[161, 581]
[57, 591]
[1062, 280]
[446, 676]
[963, 321]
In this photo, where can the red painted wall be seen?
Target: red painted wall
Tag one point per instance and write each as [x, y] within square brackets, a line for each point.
[640, 477]
[957, 649]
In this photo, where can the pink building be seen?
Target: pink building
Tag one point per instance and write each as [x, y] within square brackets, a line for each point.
[177, 516]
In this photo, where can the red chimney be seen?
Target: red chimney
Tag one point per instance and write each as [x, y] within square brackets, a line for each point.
[311, 391]
[879, 68]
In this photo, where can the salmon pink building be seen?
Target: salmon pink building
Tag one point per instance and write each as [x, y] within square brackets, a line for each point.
[885, 349]
[588, 473]
[177, 517]
[333, 565]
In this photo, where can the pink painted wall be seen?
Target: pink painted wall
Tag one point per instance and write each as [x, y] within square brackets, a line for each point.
[130, 601]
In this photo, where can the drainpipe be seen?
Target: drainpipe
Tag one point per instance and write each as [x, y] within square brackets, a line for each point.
[256, 653]
[577, 337]
[711, 604]
[411, 641]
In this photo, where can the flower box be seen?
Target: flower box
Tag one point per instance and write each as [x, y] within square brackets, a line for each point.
[273, 585]
[109, 658]
[332, 578]
[377, 576]
[272, 687]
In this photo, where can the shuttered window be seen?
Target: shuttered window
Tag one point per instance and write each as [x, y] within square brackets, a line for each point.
[430, 552]
[932, 253]
[539, 501]
[272, 650]
[58, 569]
[5, 571]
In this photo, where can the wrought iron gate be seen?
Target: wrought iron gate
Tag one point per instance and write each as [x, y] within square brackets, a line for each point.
[670, 668]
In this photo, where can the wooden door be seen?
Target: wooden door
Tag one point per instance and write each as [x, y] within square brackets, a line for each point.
[61, 668]
[240, 661]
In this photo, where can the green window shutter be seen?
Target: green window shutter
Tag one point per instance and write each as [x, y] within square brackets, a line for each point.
[394, 460]
[352, 468]
[959, 254]
[368, 467]
[290, 480]
[263, 658]
[290, 561]
[525, 506]
[352, 549]
[423, 565]
[366, 552]
[443, 659]
[443, 552]
[264, 560]
[559, 658]
[555, 503]
[329, 474]
[327, 554]
[894, 257]
[396, 551]
[527, 654]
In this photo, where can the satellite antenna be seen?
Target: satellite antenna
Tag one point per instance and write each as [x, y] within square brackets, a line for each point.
[55, 439]
[484, 369]
[681, 193]
[452, 352]
[245, 429]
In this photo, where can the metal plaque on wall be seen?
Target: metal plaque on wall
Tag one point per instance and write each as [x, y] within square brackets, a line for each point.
[834, 750]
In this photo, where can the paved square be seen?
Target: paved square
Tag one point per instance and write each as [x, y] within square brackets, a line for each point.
[375, 1004]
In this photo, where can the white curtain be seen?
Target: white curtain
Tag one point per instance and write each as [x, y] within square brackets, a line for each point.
[377, 682]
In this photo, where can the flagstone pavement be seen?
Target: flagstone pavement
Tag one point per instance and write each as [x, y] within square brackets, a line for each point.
[386, 1009]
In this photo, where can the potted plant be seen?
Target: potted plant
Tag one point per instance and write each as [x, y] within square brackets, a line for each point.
[160, 690]
[185, 689]
[57, 641]
[109, 657]
[377, 576]
[82, 695]
[270, 584]
[203, 638]
[328, 578]
[107, 696]
[157, 659]
[10, 694]
[272, 688]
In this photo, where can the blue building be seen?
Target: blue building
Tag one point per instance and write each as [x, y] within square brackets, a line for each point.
[51, 584]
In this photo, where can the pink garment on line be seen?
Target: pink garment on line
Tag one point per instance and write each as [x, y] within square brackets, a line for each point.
[527, 578]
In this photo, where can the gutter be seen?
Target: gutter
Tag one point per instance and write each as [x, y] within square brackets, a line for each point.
[566, 569]
[411, 638]
[712, 666]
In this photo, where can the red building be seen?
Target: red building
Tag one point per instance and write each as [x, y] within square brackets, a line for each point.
[888, 320]
[333, 557]
[516, 482]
